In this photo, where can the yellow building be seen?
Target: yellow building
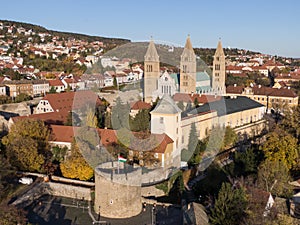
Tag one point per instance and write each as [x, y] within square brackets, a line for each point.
[272, 98]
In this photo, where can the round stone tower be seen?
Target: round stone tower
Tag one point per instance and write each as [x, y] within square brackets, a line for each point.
[117, 190]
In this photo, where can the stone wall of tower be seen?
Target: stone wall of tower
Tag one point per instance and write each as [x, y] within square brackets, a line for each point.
[117, 195]
[188, 69]
[219, 71]
[151, 75]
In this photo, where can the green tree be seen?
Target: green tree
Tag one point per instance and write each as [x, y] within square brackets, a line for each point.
[115, 82]
[281, 146]
[246, 163]
[120, 115]
[52, 90]
[193, 138]
[230, 206]
[59, 153]
[196, 102]
[180, 105]
[141, 121]
[27, 144]
[291, 122]
[72, 119]
[273, 176]
[75, 166]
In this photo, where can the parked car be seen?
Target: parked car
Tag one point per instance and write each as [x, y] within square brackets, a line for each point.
[26, 180]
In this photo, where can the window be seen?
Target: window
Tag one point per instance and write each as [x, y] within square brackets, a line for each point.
[176, 130]
[161, 120]
[182, 139]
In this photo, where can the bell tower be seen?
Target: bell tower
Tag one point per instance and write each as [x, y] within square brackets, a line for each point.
[151, 71]
[188, 68]
[219, 73]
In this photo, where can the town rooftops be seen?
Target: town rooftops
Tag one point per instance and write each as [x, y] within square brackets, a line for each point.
[158, 143]
[261, 90]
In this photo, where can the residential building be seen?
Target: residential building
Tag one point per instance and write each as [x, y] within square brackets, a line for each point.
[40, 87]
[17, 87]
[67, 101]
[58, 85]
[272, 98]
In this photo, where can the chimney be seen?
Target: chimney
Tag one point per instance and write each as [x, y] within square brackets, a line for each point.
[259, 86]
[234, 85]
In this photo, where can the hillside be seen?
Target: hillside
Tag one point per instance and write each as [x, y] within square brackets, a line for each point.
[67, 35]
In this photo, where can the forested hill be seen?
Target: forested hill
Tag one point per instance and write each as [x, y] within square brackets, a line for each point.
[84, 37]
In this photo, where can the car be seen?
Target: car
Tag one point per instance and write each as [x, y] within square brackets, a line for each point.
[25, 180]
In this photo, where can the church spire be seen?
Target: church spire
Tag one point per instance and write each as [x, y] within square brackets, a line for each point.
[151, 54]
[219, 50]
[188, 44]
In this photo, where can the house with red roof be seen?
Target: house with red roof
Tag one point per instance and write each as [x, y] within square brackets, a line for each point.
[135, 107]
[67, 101]
[161, 145]
[58, 85]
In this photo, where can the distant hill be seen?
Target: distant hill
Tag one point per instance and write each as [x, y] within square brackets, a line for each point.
[37, 28]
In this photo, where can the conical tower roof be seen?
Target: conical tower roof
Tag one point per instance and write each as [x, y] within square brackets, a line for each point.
[151, 54]
[219, 50]
[188, 48]
[188, 44]
[166, 106]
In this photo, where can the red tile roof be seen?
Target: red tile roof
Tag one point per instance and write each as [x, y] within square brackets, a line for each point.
[55, 83]
[234, 89]
[62, 133]
[140, 105]
[261, 90]
[72, 100]
[202, 99]
[108, 137]
[58, 118]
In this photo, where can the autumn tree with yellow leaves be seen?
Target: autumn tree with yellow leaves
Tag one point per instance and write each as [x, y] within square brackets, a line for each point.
[75, 166]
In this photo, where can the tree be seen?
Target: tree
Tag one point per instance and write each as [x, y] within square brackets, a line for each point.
[72, 119]
[193, 138]
[115, 82]
[141, 121]
[230, 206]
[180, 105]
[91, 119]
[273, 176]
[281, 146]
[246, 163]
[120, 115]
[52, 90]
[291, 122]
[75, 166]
[10, 215]
[196, 102]
[27, 144]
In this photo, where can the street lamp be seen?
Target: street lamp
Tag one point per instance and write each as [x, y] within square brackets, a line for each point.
[153, 219]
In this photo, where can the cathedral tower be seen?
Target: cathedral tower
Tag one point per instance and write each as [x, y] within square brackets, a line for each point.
[188, 68]
[151, 71]
[218, 76]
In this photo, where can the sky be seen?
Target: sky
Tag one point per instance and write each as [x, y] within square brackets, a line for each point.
[267, 26]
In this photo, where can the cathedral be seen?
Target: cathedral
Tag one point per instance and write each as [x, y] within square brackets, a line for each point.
[189, 80]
